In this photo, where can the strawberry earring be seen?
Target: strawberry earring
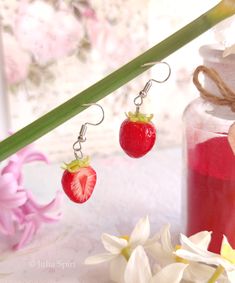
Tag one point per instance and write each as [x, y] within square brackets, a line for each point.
[79, 178]
[137, 134]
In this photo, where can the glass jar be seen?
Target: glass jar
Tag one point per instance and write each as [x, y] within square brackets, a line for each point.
[209, 162]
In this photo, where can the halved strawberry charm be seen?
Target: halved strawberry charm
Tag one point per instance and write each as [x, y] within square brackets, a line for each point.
[137, 134]
[78, 180]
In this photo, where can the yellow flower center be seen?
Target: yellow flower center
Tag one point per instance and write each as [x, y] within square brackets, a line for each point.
[126, 252]
[178, 258]
[125, 237]
[228, 253]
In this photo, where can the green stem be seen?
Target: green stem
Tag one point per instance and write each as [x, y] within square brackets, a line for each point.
[113, 81]
[219, 270]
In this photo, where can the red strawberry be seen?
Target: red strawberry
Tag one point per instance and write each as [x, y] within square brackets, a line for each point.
[137, 135]
[78, 180]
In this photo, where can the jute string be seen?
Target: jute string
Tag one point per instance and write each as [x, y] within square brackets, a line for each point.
[227, 95]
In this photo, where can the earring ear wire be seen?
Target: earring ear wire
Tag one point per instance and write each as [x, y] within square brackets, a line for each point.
[138, 101]
[102, 119]
[156, 63]
[77, 146]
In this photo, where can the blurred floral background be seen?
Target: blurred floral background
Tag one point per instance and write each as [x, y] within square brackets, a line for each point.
[54, 49]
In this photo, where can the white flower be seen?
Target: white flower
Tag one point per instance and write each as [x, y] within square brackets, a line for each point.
[225, 261]
[164, 253]
[138, 270]
[120, 248]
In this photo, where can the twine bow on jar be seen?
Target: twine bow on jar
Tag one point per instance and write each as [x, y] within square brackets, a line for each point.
[227, 95]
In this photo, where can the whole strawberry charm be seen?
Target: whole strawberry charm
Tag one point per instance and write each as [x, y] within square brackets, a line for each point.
[137, 134]
[78, 180]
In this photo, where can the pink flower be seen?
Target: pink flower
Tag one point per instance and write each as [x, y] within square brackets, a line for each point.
[16, 162]
[48, 34]
[11, 197]
[16, 60]
[32, 215]
[19, 211]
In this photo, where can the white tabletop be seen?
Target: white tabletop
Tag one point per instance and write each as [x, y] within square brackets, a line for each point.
[127, 189]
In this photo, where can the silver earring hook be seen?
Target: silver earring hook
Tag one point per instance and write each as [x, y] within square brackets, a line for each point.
[138, 101]
[102, 119]
[155, 63]
[77, 146]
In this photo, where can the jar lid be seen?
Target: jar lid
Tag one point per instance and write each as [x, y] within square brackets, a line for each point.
[214, 53]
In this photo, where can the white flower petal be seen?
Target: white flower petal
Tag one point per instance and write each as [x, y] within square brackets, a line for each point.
[96, 259]
[187, 244]
[231, 276]
[141, 232]
[172, 273]
[213, 260]
[161, 256]
[113, 244]
[227, 252]
[201, 239]
[166, 239]
[152, 241]
[138, 268]
[225, 243]
[198, 272]
[196, 253]
[117, 268]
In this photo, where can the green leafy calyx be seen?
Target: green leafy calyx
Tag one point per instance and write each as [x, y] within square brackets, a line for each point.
[139, 117]
[76, 164]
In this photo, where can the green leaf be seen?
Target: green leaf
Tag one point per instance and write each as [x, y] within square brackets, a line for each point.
[118, 78]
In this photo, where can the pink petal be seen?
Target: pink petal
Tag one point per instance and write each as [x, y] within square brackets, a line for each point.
[8, 185]
[26, 237]
[50, 219]
[51, 206]
[13, 168]
[23, 152]
[32, 203]
[20, 206]
[34, 219]
[6, 223]
[36, 213]
[26, 155]
[27, 208]
[55, 203]
[19, 215]
[34, 156]
[40, 219]
[13, 201]
[29, 154]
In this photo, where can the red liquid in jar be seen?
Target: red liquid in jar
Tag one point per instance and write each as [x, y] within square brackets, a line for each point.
[211, 191]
